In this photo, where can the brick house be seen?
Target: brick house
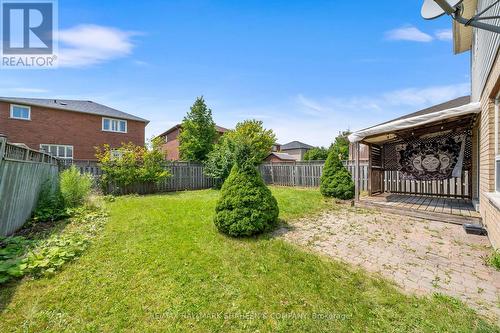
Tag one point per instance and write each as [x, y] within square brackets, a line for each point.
[472, 122]
[170, 138]
[296, 149]
[68, 129]
[279, 157]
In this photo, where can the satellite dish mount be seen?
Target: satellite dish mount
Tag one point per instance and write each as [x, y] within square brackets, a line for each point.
[435, 8]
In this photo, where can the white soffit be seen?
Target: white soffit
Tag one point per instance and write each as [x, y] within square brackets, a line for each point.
[416, 121]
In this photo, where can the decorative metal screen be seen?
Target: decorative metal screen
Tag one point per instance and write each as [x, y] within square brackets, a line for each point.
[430, 157]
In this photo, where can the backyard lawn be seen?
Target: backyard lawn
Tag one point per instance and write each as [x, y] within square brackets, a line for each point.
[160, 265]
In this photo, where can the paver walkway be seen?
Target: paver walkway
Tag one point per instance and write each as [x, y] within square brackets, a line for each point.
[420, 256]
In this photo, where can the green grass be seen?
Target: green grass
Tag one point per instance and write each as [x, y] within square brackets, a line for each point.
[160, 265]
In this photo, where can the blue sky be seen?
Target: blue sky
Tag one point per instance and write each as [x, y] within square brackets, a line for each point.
[308, 69]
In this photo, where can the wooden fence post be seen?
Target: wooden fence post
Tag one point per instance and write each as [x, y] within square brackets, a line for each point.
[3, 145]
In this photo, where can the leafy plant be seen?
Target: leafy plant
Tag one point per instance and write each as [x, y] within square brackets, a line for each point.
[316, 154]
[253, 134]
[250, 133]
[494, 260]
[50, 206]
[38, 257]
[246, 206]
[336, 181]
[75, 187]
[131, 164]
[50, 255]
[220, 160]
[11, 248]
[198, 133]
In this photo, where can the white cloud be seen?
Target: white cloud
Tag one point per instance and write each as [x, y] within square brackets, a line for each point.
[86, 45]
[317, 121]
[444, 34]
[409, 34]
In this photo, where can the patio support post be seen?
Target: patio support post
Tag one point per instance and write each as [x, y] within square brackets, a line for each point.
[369, 171]
[356, 173]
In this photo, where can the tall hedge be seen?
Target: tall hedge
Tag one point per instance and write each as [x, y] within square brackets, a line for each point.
[336, 181]
[246, 206]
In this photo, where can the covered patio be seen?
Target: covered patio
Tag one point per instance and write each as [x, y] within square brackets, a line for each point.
[423, 164]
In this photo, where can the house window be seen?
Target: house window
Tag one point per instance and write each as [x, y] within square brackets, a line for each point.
[114, 125]
[60, 151]
[20, 112]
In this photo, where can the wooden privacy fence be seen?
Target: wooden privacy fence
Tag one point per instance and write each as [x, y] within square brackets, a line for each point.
[191, 176]
[363, 173]
[302, 174]
[185, 176]
[22, 173]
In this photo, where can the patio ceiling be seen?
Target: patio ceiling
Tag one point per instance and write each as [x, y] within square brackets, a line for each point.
[439, 121]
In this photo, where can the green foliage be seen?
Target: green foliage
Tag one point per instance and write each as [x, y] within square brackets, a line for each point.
[11, 248]
[341, 143]
[253, 134]
[20, 256]
[220, 160]
[316, 154]
[131, 164]
[246, 206]
[249, 133]
[50, 255]
[198, 133]
[50, 206]
[75, 187]
[336, 181]
[494, 260]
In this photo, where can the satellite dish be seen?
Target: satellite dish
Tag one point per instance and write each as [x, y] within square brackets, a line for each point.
[435, 8]
[431, 9]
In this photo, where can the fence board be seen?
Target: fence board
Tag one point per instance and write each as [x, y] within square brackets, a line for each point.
[22, 173]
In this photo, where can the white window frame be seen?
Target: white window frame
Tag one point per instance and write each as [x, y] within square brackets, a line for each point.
[57, 149]
[12, 106]
[111, 120]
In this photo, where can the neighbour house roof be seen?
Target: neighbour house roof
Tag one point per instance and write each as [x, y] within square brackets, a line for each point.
[283, 156]
[451, 109]
[219, 129]
[81, 106]
[295, 145]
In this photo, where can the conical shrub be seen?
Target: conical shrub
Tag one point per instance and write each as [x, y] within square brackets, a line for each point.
[336, 181]
[246, 206]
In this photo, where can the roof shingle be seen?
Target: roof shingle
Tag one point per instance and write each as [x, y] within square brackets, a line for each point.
[74, 106]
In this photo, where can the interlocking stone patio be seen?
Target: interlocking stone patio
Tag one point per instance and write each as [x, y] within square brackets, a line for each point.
[421, 256]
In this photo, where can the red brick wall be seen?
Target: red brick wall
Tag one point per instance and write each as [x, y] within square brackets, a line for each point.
[171, 147]
[52, 126]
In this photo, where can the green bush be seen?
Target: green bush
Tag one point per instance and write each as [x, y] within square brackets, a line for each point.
[11, 248]
[494, 260]
[50, 206]
[75, 187]
[220, 160]
[316, 154]
[246, 206]
[336, 181]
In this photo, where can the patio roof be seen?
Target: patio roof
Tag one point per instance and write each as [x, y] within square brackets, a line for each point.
[444, 112]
